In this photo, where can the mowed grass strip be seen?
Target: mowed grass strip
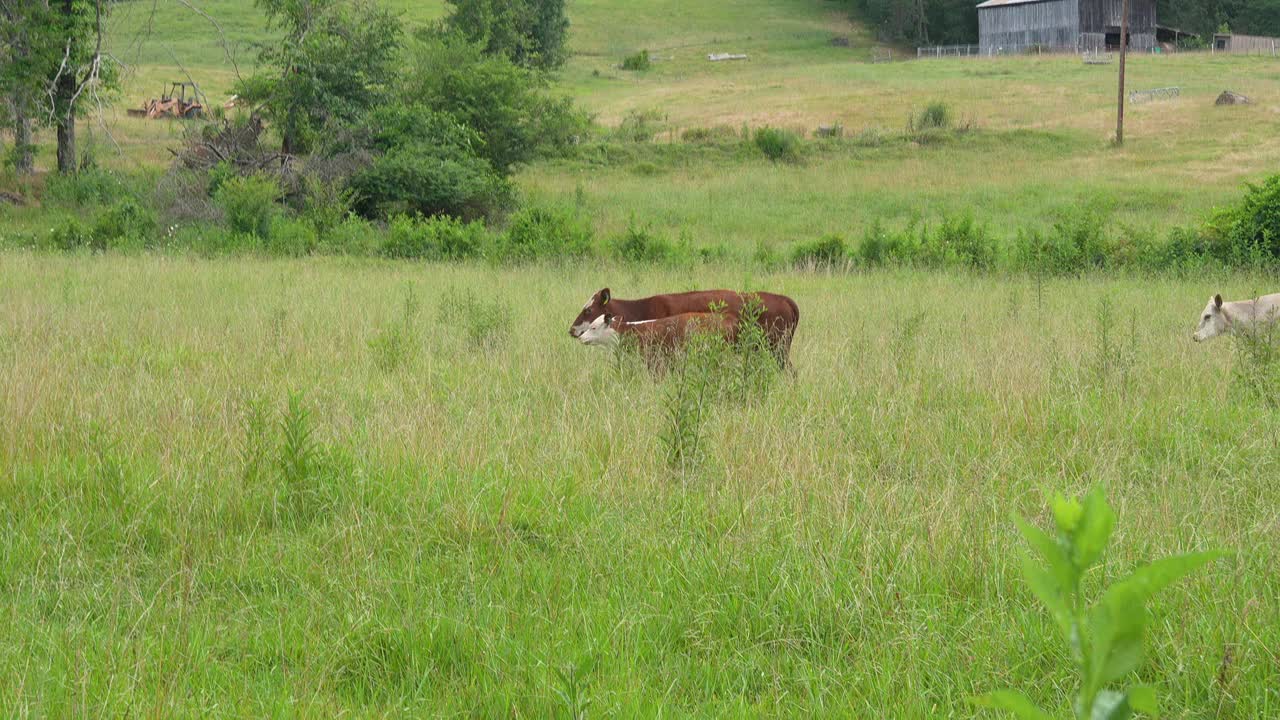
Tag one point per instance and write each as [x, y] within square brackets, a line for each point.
[246, 487]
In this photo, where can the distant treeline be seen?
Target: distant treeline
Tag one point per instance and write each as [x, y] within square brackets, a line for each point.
[954, 22]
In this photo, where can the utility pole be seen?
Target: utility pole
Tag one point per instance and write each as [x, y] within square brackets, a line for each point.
[1124, 45]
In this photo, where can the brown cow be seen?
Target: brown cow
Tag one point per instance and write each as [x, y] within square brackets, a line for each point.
[778, 317]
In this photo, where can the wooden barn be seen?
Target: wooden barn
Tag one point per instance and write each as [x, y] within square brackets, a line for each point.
[1246, 44]
[1079, 25]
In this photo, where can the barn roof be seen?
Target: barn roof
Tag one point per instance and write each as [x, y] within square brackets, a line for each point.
[1001, 3]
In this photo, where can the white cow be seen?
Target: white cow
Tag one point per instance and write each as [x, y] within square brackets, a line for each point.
[1225, 317]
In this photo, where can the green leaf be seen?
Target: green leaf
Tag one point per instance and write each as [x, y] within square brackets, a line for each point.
[1051, 593]
[1012, 701]
[1111, 705]
[1142, 698]
[1116, 624]
[1117, 621]
[1093, 530]
[1151, 579]
[1055, 557]
[1066, 513]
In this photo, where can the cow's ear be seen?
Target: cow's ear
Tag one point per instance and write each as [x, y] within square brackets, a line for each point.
[604, 296]
[608, 319]
[1217, 301]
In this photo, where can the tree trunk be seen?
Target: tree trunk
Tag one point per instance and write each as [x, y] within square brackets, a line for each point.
[64, 94]
[65, 91]
[23, 160]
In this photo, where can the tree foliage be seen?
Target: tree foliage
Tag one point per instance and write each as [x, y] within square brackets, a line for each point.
[509, 107]
[530, 33]
[335, 62]
[51, 64]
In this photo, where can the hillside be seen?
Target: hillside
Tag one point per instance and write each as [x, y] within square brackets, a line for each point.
[1043, 123]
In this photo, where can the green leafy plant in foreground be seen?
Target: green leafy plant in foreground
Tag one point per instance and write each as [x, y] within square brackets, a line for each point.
[1106, 638]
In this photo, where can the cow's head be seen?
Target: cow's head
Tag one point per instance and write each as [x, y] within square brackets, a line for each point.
[602, 331]
[1213, 322]
[598, 305]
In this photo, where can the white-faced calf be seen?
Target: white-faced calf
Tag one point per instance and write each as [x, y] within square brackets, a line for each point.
[1241, 315]
[660, 337]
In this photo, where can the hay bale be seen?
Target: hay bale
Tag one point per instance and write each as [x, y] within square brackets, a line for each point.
[1231, 98]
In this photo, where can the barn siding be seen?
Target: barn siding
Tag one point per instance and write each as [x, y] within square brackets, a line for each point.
[1081, 24]
[1099, 17]
[1014, 27]
[1246, 44]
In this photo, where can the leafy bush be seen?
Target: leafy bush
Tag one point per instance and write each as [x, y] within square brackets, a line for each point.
[326, 203]
[86, 188]
[290, 238]
[639, 126]
[710, 135]
[935, 116]
[777, 144]
[1076, 242]
[508, 107]
[70, 235]
[353, 236]
[531, 33]
[960, 240]
[249, 203]
[125, 220]
[828, 251]
[219, 174]
[638, 62]
[436, 238]
[1252, 226]
[539, 232]
[639, 244]
[1105, 639]
[427, 166]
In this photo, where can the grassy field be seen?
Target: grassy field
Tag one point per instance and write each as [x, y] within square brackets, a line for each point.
[442, 527]
[1041, 146]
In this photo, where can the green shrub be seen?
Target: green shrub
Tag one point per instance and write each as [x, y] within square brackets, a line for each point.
[766, 256]
[1253, 226]
[507, 106]
[124, 221]
[718, 134]
[935, 116]
[875, 247]
[640, 244]
[85, 188]
[218, 175]
[70, 235]
[1077, 241]
[428, 166]
[541, 232]
[249, 203]
[436, 238]
[638, 62]
[353, 236]
[777, 144]
[639, 126]
[960, 241]
[828, 251]
[326, 204]
[290, 237]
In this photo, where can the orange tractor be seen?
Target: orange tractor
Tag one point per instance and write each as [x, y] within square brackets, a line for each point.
[181, 100]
